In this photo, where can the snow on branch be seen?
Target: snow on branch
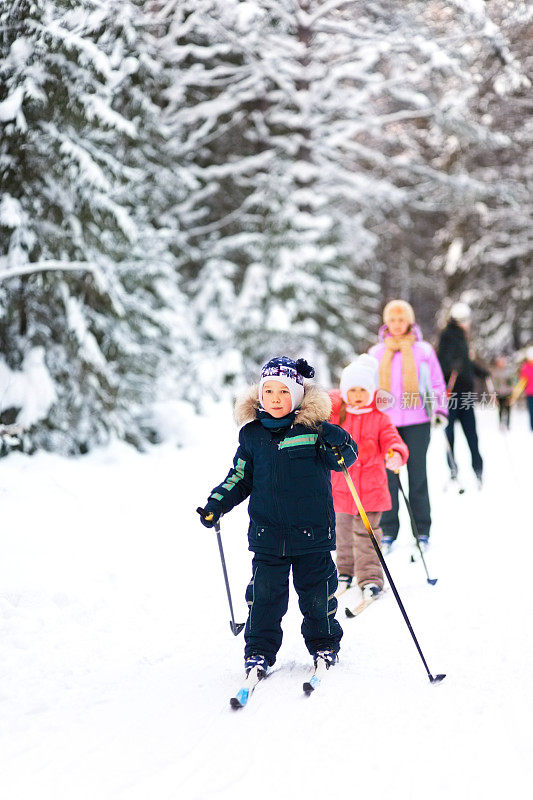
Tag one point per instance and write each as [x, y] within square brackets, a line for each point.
[95, 107]
[324, 10]
[45, 266]
[241, 167]
[72, 41]
[11, 106]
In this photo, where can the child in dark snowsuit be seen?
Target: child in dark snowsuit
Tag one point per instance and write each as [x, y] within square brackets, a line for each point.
[283, 464]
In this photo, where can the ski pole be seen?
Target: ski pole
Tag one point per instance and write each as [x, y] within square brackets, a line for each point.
[236, 627]
[453, 465]
[451, 383]
[366, 523]
[414, 528]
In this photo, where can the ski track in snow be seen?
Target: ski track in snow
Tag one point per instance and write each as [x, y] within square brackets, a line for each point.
[117, 661]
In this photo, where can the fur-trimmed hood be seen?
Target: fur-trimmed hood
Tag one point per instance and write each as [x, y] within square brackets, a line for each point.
[315, 407]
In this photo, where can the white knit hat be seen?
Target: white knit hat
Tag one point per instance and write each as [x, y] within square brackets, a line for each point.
[460, 312]
[363, 372]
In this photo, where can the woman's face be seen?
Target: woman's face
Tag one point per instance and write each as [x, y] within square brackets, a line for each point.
[397, 323]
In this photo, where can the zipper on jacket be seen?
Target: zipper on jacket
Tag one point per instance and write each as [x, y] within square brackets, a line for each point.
[275, 475]
[275, 485]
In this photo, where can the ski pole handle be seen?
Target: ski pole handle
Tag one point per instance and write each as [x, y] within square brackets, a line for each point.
[208, 516]
[390, 453]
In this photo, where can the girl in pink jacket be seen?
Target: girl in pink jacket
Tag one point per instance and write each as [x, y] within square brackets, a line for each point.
[378, 443]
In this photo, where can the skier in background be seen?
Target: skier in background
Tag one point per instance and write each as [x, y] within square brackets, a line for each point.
[379, 444]
[284, 464]
[459, 371]
[410, 372]
[502, 376]
[525, 383]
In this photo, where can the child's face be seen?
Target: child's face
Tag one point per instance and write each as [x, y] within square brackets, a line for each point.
[277, 400]
[358, 397]
[397, 323]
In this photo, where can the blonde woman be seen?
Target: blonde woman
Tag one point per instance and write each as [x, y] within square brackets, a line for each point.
[409, 370]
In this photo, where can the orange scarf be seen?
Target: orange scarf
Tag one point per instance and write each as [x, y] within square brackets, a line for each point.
[410, 389]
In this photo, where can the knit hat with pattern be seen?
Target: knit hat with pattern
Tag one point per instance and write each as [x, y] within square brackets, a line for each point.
[290, 373]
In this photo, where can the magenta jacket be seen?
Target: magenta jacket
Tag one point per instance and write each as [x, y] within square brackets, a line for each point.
[527, 374]
[430, 381]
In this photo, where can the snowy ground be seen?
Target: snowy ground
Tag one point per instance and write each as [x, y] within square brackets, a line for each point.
[117, 662]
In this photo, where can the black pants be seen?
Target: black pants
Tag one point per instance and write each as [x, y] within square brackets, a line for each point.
[530, 409]
[315, 580]
[416, 437]
[467, 419]
[504, 410]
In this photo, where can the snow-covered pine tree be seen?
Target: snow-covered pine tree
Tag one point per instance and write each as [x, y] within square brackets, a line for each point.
[280, 262]
[485, 247]
[462, 170]
[316, 134]
[84, 270]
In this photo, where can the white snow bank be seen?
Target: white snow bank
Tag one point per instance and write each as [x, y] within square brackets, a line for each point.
[175, 422]
[117, 661]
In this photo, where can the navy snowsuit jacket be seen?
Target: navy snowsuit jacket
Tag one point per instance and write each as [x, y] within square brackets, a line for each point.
[287, 475]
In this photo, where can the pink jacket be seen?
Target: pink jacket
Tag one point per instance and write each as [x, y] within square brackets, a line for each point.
[430, 380]
[527, 373]
[374, 435]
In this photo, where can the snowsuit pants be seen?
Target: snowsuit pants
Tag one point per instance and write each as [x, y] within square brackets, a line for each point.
[530, 409]
[467, 419]
[356, 555]
[315, 580]
[416, 437]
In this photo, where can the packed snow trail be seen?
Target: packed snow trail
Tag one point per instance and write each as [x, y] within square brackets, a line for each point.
[117, 660]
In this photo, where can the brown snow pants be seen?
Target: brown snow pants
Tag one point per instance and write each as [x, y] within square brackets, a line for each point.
[356, 555]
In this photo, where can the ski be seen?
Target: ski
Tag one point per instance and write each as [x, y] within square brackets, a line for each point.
[365, 602]
[241, 697]
[343, 589]
[320, 669]
[456, 483]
